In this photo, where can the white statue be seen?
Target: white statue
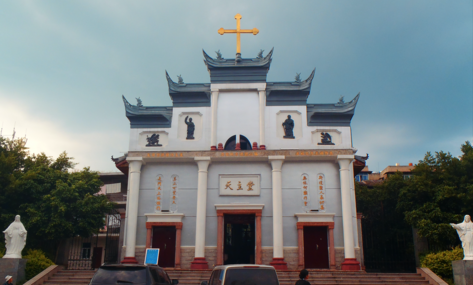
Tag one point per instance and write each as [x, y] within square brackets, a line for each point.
[465, 232]
[15, 239]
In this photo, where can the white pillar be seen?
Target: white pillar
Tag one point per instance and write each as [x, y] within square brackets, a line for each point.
[132, 210]
[213, 130]
[350, 262]
[278, 254]
[262, 106]
[201, 215]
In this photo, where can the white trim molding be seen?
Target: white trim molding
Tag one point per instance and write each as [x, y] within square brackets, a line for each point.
[239, 206]
[314, 217]
[164, 217]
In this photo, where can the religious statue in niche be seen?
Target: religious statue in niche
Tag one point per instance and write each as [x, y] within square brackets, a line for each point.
[465, 232]
[153, 140]
[15, 239]
[288, 126]
[190, 128]
[326, 139]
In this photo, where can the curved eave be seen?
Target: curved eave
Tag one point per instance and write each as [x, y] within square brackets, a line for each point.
[331, 114]
[304, 85]
[335, 108]
[148, 117]
[191, 87]
[245, 62]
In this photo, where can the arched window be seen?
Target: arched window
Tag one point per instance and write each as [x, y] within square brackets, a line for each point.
[245, 144]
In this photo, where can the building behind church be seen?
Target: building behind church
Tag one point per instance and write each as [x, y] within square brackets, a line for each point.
[241, 170]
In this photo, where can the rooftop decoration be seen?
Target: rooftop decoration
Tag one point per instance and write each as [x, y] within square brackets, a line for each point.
[219, 55]
[139, 103]
[260, 54]
[297, 79]
[180, 80]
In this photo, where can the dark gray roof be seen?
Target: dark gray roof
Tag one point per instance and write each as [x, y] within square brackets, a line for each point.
[148, 117]
[288, 93]
[245, 70]
[189, 94]
[338, 114]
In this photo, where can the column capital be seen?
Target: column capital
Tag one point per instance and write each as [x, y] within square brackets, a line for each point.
[202, 162]
[276, 161]
[344, 161]
[136, 158]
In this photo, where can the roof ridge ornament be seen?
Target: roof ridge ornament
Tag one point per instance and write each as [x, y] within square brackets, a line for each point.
[260, 54]
[297, 79]
[180, 80]
[238, 31]
[219, 55]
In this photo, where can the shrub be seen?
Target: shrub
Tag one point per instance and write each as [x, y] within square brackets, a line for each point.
[36, 263]
[441, 262]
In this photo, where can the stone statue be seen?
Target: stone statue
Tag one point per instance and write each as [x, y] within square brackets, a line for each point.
[297, 79]
[260, 54]
[180, 80]
[139, 103]
[153, 140]
[190, 128]
[15, 239]
[465, 232]
[288, 126]
[219, 55]
[326, 139]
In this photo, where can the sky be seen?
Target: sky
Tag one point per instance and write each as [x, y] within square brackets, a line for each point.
[64, 66]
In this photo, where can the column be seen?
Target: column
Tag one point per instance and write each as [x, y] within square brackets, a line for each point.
[278, 254]
[220, 238]
[333, 264]
[262, 106]
[300, 241]
[350, 262]
[199, 259]
[259, 250]
[178, 246]
[213, 130]
[133, 198]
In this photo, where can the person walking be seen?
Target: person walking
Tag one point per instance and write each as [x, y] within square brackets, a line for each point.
[8, 280]
[303, 275]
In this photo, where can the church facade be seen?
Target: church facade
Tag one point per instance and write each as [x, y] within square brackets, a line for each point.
[241, 170]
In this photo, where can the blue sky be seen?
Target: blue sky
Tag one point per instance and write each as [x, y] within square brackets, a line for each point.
[65, 64]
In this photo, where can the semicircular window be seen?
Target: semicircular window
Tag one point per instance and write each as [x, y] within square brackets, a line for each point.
[244, 143]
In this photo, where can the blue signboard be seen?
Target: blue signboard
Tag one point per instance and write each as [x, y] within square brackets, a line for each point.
[152, 256]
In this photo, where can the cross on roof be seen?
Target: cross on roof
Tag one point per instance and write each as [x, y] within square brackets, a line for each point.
[238, 31]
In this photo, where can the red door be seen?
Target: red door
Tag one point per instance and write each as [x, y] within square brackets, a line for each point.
[315, 247]
[97, 257]
[164, 238]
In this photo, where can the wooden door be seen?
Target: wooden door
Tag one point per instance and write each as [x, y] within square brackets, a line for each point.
[316, 247]
[164, 238]
[97, 257]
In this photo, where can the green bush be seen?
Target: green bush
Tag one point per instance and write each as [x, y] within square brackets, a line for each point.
[37, 262]
[441, 262]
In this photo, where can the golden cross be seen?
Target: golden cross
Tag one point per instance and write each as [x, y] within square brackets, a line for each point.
[238, 31]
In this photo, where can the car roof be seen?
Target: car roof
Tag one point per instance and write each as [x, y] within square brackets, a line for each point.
[128, 265]
[244, 266]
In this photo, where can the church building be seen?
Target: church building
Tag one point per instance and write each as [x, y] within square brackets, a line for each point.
[242, 170]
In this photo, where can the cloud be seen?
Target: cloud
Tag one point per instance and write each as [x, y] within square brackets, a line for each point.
[90, 148]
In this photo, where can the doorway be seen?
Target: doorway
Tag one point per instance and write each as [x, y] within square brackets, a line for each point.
[164, 238]
[239, 239]
[315, 247]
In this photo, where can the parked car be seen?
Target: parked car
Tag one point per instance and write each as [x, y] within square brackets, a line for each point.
[243, 274]
[131, 274]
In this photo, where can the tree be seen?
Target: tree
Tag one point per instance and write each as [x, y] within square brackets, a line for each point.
[440, 192]
[54, 201]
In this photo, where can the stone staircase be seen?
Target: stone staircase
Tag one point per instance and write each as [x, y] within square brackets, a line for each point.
[71, 277]
[194, 277]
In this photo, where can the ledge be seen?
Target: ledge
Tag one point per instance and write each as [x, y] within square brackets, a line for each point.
[314, 217]
[239, 206]
[44, 275]
[164, 217]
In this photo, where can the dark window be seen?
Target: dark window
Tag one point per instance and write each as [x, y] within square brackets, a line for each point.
[216, 278]
[135, 275]
[86, 246]
[251, 276]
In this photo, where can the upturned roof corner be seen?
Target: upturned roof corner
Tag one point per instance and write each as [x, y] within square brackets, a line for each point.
[338, 114]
